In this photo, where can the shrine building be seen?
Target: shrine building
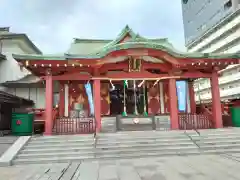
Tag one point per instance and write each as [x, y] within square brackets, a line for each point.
[130, 76]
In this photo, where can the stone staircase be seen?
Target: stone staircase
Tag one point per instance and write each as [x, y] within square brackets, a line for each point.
[128, 145]
[109, 145]
[218, 141]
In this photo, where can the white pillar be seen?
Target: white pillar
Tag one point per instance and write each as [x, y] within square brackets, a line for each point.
[188, 99]
[66, 92]
[161, 97]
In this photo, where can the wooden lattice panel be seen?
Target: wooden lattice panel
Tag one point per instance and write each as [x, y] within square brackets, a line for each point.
[195, 121]
[74, 126]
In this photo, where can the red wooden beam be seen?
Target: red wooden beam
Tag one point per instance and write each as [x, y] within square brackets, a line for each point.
[145, 52]
[114, 66]
[147, 75]
[196, 74]
[131, 75]
[208, 61]
[164, 67]
[71, 77]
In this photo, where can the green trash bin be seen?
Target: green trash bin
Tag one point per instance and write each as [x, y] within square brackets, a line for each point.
[22, 124]
[235, 113]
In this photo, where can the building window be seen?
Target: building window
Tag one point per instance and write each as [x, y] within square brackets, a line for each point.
[228, 5]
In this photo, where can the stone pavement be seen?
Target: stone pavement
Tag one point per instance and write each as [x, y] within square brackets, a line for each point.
[201, 167]
[6, 142]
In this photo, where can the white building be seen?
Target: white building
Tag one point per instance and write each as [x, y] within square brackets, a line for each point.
[11, 71]
[222, 38]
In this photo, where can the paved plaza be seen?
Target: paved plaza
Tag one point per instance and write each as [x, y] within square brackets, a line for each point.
[202, 167]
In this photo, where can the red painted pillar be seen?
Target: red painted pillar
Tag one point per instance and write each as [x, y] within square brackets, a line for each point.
[192, 97]
[216, 101]
[61, 99]
[97, 102]
[49, 104]
[173, 104]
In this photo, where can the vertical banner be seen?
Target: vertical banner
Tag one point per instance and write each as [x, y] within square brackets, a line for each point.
[88, 89]
[181, 94]
[161, 97]
[66, 96]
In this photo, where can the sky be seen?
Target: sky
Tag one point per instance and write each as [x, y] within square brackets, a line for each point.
[52, 24]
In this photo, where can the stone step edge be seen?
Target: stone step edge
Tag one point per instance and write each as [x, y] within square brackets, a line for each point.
[101, 141]
[35, 151]
[112, 146]
[103, 157]
[106, 151]
[89, 158]
[120, 150]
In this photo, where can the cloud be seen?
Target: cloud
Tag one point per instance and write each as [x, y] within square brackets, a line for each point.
[52, 24]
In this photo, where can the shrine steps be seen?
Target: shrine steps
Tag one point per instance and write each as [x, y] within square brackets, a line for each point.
[109, 146]
[127, 145]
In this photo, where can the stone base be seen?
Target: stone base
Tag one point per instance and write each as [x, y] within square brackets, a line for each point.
[163, 122]
[135, 123]
[108, 124]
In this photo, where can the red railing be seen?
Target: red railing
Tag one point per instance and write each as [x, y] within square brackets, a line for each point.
[67, 125]
[195, 121]
[227, 120]
[40, 117]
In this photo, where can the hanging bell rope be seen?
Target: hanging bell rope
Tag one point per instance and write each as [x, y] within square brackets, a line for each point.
[144, 100]
[135, 98]
[125, 84]
[120, 79]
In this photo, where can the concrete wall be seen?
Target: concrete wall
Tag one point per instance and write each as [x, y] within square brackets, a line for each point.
[9, 68]
[225, 39]
[11, 71]
[35, 94]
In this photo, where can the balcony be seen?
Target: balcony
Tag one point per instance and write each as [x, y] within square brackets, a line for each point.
[222, 80]
[223, 93]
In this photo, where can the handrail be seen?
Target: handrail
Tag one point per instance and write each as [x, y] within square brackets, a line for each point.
[95, 133]
[192, 127]
[190, 137]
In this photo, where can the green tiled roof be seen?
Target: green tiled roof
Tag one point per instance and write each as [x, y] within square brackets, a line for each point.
[136, 41]
[38, 57]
